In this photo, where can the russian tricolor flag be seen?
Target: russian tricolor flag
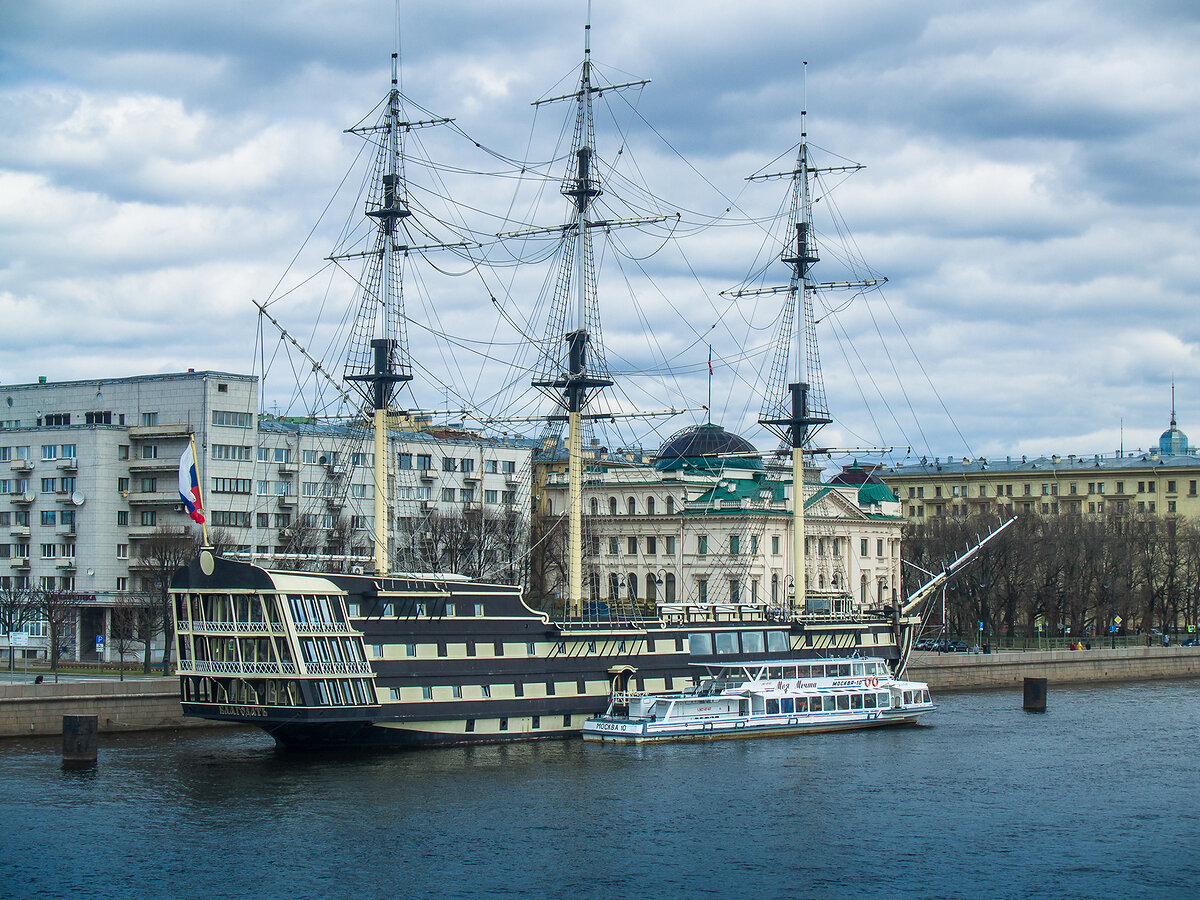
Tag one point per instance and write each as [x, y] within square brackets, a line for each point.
[189, 486]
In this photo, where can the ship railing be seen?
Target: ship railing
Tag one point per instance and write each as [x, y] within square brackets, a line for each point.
[337, 668]
[322, 627]
[231, 627]
[212, 667]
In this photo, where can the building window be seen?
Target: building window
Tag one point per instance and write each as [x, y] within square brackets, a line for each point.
[151, 418]
[651, 546]
[862, 547]
[614, 545]
[670, 506]
[123, 518]
[1170, 487]
[122, 551]
[702, 544]
[670, 546]
[633, 542]
[735, 545]
[631, 505]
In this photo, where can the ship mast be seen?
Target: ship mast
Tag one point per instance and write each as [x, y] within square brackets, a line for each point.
[576, 372]
[378, 362]
[794, 407]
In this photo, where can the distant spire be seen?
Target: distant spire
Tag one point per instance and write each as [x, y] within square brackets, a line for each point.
[1172, 403]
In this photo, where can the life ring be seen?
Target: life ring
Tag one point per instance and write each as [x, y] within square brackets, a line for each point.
[873, 681]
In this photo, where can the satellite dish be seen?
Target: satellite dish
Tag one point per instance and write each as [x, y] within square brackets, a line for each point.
[29, 497]
[77, 498]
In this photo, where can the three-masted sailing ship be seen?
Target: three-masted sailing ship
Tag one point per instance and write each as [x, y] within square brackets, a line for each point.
[385, 658]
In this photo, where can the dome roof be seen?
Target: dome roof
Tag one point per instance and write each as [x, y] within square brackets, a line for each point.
[707, 445]
[1173, 441]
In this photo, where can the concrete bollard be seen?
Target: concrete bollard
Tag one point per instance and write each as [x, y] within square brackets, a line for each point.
[1035, 694]
[79, 742]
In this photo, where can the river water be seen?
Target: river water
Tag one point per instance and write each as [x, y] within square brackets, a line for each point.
[1098, 796]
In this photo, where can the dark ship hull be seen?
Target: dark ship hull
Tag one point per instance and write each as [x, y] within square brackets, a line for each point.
[354, 661]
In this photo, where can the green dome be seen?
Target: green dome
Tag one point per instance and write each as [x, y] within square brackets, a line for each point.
[708, 447]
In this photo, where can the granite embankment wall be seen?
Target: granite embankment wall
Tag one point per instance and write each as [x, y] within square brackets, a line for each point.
[970, 671]
[38, 709]
[146, 705]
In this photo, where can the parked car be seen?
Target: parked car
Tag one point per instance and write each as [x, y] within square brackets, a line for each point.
[1191, 642]
[956, 647]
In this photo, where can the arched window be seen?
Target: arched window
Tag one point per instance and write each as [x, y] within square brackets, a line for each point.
[862, 587]
[612, 506]
[594, 586]
[595, 507]
[632, 504]
[669, 590]
[631, 586]
[821, 582]
[649, 506]
[774, 588]
[651, 588]
[549, 507]
[614, 586]
[670, 506]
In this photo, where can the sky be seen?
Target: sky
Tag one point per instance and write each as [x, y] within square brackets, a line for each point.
[1030, 190]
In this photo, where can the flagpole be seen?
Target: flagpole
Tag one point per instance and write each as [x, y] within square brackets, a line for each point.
[710, 384]
[199, 490]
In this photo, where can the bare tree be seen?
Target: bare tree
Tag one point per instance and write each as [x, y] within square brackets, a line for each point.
[17, 609]
[162, 554]
[126, 631]
[59, 611]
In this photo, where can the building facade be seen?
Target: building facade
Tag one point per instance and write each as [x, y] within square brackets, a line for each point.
[88, 476]
[1161, 481]
[704, 521]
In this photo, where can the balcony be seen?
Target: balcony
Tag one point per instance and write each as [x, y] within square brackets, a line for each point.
[69, 464]
[156, 498]
[291, 467]
[237, 668]
[147, 432]
[20, 563]
[23, 497]
[337, 668]
[19, 531]
[153, 465]
[65, 562]
[286, 501]
[21, 465]
[427, 474]
[65, 529]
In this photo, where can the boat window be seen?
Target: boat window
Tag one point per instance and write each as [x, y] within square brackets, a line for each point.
[843, 670]
[884, 701]
[868, 701]
[752, 642]
[801, 704]
[856, 701]
[907, 697]
[700, 643]
[818, 671]
[924, 696]
[727, 642]
[787, 705]
[777, 642]
[772, 706]
[449, 609]
[774, 672]
[829, 702]
[857, 671]
[872, 669]
[843, 701]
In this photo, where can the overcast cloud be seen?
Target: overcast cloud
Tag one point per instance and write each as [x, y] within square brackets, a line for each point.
[1030, 193]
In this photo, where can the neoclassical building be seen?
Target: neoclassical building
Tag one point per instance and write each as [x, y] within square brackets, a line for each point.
[704, 520]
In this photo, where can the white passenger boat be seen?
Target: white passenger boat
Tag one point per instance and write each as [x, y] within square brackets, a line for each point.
[775, 697]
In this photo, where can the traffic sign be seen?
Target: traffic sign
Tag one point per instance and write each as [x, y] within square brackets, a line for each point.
[99, 642]
[18, 639]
